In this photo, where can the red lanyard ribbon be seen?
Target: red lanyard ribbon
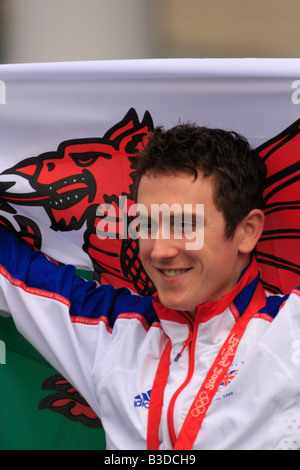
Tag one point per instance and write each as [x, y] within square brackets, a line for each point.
[208, 389]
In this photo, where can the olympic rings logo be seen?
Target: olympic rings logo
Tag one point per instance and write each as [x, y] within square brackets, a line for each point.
[200, 404]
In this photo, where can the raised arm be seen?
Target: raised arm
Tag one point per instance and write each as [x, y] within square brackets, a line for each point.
[56, 311]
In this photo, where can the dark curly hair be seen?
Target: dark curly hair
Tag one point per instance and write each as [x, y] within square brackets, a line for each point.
[239, 173]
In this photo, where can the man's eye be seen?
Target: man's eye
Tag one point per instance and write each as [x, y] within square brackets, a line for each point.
[189, 227]
[182, 229]
[146, 229]
[143, 228]
[182, 225]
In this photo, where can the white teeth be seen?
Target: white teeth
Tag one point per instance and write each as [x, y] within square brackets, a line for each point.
[173, 272]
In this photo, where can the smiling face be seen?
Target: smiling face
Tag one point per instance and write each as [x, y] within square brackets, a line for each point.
[185, 278]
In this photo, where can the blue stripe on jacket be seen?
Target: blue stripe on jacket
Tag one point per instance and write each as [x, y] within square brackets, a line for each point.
[87, 299]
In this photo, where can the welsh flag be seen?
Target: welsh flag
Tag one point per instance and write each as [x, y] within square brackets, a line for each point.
[70, 133]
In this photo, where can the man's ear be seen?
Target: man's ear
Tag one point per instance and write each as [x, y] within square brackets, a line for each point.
[251, 229]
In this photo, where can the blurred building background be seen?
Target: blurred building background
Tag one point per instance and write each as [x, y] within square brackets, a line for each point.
[68, 30]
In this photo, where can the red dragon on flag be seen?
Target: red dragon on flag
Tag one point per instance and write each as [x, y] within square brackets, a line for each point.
[278, 251]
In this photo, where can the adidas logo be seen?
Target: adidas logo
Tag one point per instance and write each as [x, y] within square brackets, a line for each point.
[142, 400]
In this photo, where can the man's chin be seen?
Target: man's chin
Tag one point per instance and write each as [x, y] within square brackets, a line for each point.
[171, 303]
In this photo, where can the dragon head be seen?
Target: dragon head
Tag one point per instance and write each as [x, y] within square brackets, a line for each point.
[81, 173]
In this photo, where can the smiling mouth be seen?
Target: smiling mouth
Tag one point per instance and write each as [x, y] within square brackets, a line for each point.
[173, 272]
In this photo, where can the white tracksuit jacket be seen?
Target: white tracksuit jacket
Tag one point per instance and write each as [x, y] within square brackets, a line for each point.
[108, 344]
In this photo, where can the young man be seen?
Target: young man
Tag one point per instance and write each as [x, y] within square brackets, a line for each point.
[217, 357]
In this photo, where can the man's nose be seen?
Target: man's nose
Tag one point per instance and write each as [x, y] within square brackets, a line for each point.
[164, 248]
